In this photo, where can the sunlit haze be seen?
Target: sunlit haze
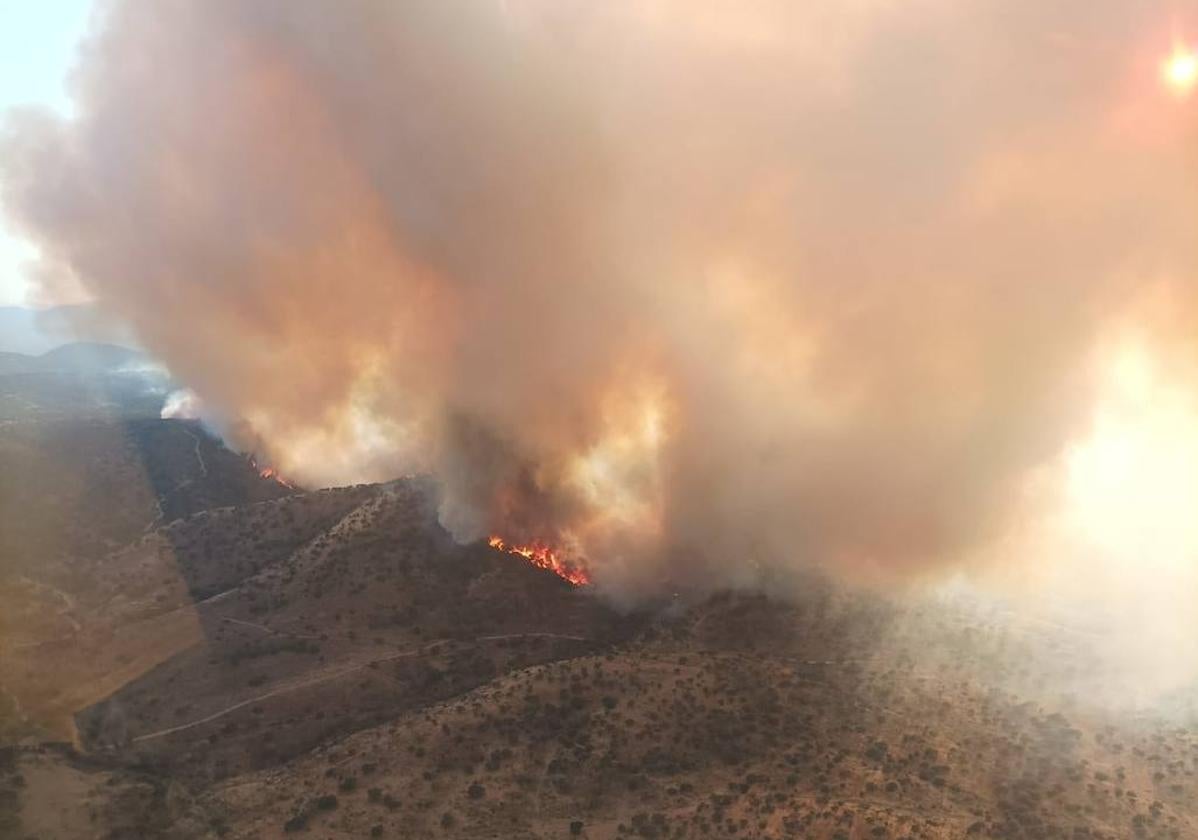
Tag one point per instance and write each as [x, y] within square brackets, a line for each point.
[531, 419]
[38, 43]
[1180, 70]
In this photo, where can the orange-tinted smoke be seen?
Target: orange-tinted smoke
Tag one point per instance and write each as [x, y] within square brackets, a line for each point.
[699, 291]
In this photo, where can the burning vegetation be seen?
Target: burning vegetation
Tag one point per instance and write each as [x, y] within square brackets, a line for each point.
[545, 557]
[273, 474]
[270, 473]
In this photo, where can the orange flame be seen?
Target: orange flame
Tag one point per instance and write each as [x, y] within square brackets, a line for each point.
[273, 475]
[269, 473]
[544, 557]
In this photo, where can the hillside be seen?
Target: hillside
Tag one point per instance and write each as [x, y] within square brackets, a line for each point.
[84, 487]
[331, 664]
[16, 363]
[31, 332]
[690, 744]
[80, 380]
[189, 649]
[89, 356]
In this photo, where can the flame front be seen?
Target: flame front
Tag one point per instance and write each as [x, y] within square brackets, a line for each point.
[544, 557]
[270, 473]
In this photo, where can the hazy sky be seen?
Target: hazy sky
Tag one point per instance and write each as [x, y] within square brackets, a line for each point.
[37, 48]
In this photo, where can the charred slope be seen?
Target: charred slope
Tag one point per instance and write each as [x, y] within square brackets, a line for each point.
[78, 630]
[73, 496]
[377, 614]
[82, 488]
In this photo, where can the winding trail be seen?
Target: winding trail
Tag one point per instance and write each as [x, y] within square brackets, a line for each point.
[197, 448]
[270, 630]
[531, 636]
[284, 689]
[332, 675]
[199, 455]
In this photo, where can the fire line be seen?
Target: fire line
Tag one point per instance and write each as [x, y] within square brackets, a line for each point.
[544, 557]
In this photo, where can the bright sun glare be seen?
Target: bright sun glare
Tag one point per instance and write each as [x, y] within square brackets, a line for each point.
[1133, 485]
[1180, 70]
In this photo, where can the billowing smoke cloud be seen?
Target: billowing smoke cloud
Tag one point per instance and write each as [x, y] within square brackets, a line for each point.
[695, 290]
[182, 404]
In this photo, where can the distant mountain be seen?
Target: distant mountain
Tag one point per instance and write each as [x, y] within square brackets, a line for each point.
[20, 333]
[33, 332]
[90, 356]
[78, 356]
[17, 363]
[81, 379]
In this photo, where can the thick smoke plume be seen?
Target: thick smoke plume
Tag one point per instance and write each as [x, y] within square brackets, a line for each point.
[696, 290]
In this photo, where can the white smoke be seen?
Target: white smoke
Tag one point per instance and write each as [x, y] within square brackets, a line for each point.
[182, 404]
